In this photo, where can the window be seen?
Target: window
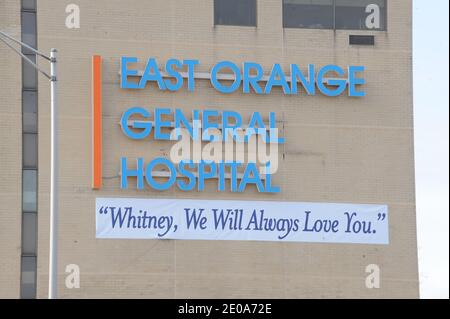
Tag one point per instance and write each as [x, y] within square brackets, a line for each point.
[29, 109]
[235, 12]
[361, 39]
[29, 4]
[29, 222]
[29, 30]
[29, 185]
[361, 14]
[29, 74]
[28, 277]
[315, 14]
[29, 145]
[335, 14]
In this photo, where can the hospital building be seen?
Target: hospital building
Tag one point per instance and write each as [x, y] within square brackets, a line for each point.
[336, 218]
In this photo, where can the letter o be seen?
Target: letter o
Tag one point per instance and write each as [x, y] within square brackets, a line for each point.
[217, 85]
[149, 177]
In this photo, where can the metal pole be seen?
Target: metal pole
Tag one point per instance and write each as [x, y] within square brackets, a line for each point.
[53, 252]
[22, 44]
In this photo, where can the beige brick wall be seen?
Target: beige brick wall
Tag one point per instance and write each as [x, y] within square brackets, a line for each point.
[10, 154]
[340, 150]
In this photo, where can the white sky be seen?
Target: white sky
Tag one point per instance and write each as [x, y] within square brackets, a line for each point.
[431, 111]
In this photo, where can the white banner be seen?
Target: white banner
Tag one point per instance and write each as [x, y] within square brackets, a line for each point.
[241, 220]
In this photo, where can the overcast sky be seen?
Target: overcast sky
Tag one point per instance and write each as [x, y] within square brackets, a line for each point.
[431, 111]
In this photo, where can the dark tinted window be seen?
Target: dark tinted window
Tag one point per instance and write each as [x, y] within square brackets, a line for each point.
[29, 222]
[235, 12]
[29, 109]
[29, 30]
[362, 39]
[338, 14]
[28, 277]
[361, 14]
[315, 14]
[29, 4]
[29, 75]
[29, 146]
[29, 185]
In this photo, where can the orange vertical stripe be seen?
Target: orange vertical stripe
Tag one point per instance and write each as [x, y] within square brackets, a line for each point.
[97, 121]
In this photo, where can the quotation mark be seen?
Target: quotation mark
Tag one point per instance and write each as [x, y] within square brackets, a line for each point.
[103, 210]
[381, 216]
